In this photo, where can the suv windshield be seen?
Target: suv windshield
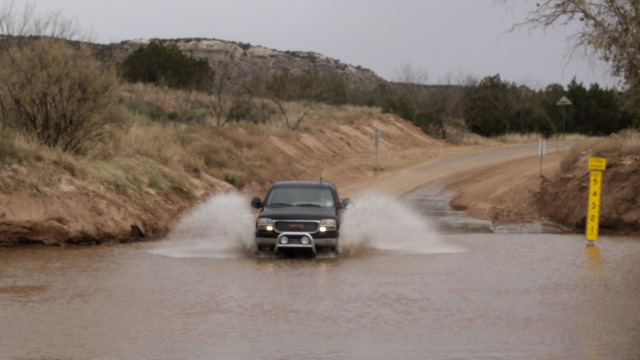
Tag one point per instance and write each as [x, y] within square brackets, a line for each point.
[312, 197]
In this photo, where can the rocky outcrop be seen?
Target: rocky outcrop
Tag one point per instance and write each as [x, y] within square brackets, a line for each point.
[244, 58]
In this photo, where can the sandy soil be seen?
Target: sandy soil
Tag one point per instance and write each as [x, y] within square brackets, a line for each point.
[498, 183]
[88, 217]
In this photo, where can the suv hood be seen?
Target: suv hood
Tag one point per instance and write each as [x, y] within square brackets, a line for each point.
[298, 213]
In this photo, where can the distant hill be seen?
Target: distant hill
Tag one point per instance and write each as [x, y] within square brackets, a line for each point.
[245, 57]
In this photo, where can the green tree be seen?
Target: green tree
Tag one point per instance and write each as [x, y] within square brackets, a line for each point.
[60, 95]
[576, 113]
[595, 111]
[314, 86]
[486, 108]
[167, 65]
[528, 118]
[630, 118]
[603, 111]
[549, 103]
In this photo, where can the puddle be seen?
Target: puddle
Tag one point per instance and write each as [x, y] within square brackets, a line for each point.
[431, 203]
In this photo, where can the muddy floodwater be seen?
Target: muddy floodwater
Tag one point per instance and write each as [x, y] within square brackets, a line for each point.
[410, 283]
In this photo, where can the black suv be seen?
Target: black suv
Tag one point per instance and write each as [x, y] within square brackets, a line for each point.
[299, 215]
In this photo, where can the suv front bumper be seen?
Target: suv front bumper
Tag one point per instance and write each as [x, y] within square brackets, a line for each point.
[294, 241]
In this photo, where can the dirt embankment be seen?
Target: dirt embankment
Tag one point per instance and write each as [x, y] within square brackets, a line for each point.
[565, 200]
[88, 217]
[502, 183]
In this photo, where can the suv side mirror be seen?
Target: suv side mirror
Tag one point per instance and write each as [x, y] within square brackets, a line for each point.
[346, 203]
[256, 203]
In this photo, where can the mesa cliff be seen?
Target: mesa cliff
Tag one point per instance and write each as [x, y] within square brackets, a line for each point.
[245, 59]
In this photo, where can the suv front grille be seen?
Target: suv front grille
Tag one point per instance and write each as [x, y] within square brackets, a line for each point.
[296, 226]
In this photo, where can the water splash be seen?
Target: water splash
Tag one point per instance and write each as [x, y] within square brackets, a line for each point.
[221, 228]
[378, 222]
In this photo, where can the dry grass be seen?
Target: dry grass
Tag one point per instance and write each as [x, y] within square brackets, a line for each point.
[514, 138]
[149, 154]
[468, 138]
[625, 143]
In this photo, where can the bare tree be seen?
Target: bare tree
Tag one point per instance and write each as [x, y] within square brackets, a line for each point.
[226, 96]
[408, 74]
[217, 93]
[299, 116]
[413, 81]
[444, 100]
[282, 87]
[610, 30]
[15, 24]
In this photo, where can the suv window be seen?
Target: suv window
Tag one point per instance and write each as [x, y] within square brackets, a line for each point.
[312, 197]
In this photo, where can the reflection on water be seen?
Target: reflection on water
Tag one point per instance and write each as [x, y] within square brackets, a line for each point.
[593, 254]
[507, 296]
[593, 312]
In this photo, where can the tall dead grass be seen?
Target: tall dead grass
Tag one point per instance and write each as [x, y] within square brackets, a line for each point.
[625, 143]
[469, 138]
[148, 154]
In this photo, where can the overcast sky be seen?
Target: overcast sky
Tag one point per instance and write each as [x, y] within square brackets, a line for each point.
[437, 37]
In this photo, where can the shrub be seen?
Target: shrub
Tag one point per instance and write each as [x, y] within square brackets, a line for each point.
[59, 95]
[166, 65]
[148, 109]
[7, 146]
[232, 179]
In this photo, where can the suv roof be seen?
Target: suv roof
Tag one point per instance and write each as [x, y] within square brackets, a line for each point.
[304, 183]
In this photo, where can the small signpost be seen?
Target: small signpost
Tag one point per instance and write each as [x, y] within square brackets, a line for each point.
[377, 144]
[596, 165]
[542, 150]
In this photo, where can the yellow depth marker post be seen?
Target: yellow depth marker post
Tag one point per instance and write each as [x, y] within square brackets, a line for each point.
[595, 186]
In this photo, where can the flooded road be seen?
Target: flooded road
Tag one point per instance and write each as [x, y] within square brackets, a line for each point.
[423, 289]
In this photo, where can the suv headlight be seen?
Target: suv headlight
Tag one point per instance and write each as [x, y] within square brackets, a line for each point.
[328, 225]
[265, 224]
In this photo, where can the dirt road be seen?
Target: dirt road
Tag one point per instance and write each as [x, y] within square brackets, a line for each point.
[498, 183]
